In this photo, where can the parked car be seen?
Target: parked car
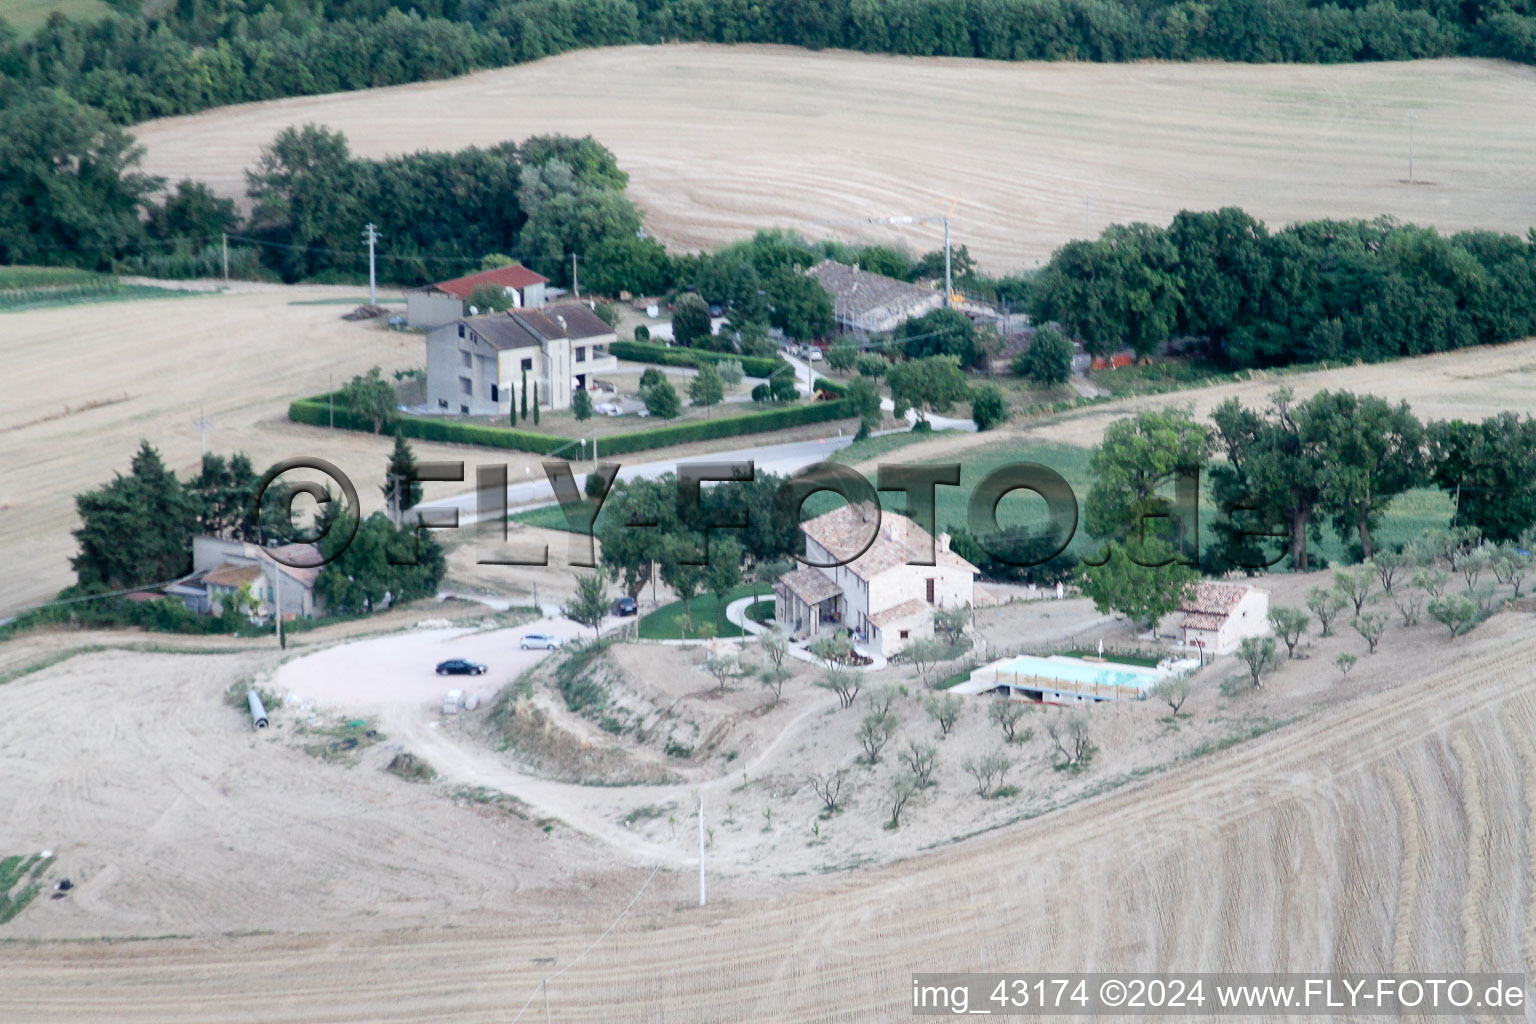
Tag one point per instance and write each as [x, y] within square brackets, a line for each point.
[626, 606]
[811, 353]
[460, 667]
[716, 310]
[540, 642]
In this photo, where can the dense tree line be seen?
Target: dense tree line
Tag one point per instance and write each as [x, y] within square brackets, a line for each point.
[1312, 291]
[191, 56]
[71, 192]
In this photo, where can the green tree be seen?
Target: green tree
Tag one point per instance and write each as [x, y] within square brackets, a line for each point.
[723, 574]
[661, 400]
[225, 488]
[1326, 604]
[372, 397]
[589, 606]
[842, 355]
[399, 487]
[1131, 583]
[706, 389]
[872, 365]
[640, 266]
[1454, 611]
[1139, 455]
[137, 529]
[304, 193]
[935, 384]
[798, 304]
[1261, 656]
[535, 403]
[576, 222]
[864, 400]
[1271, 481]
[523, 395]
[70, 186]
[488, 298]
[690, 321]
[380, 566]
[1289, 625]
[191, 211]
[581, 405]
[1371, 452]
[1486, 467]
[1048, 360]
[940, 332]
[989, 408]
[731, 373]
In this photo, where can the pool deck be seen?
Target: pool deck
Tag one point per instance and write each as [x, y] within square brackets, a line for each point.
[998, 673]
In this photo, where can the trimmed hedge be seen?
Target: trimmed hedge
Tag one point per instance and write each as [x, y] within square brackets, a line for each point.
[830, 387]
[662, 355]
[317, 413]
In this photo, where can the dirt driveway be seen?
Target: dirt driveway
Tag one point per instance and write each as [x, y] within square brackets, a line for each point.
[398, 671]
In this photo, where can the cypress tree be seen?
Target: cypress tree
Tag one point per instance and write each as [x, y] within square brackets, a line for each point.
[525, 396]
[535, 403]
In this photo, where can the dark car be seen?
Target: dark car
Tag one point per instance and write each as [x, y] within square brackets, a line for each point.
[715, 309]
[460, 667]
[626, 606]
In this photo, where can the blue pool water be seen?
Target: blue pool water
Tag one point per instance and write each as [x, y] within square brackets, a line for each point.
[1070, 670]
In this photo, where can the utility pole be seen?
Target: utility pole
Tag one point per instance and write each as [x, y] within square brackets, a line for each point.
[277, 598]
[701, 848]
[371, 236]
[949, 283]
[224, 237]
[202, 426]
[1411, 118]
[575, 281]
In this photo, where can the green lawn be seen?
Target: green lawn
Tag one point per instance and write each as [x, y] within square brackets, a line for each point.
[1118, 659]
[667, 622]
[27, 16]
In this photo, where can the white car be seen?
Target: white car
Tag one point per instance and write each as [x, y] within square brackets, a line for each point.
[813, 354]
[540, 642]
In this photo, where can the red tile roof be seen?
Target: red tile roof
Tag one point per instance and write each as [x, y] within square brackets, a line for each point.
[1210, 603]
[516, 276]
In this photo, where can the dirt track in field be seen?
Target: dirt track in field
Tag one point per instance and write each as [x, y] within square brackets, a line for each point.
[1392, 834]
[720, 141]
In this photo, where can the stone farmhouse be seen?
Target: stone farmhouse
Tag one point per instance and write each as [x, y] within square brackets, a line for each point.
[1217, 616]
[881, 593]
[436, 304]
[477, 365]
[864, 303]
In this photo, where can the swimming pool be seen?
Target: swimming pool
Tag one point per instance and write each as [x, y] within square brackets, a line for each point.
[1073, 673]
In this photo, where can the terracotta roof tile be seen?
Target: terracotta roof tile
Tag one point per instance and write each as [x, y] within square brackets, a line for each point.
[844, 531]
[810, 585]
[516, 276]
[900, 613]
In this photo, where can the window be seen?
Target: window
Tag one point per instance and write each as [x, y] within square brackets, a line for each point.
[466, 386]
[495, 393]
[930, 590]
[461, 330]
[906, 634]
[442, 403]
[464, 409]
[581, 355]
[464, 358]
[527, 364]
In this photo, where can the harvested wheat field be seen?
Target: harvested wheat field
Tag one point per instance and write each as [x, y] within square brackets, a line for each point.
[719, 141]
[1392, 832]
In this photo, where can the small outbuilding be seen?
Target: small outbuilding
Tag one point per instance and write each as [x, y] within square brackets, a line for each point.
[446, 301]
[1217, 616]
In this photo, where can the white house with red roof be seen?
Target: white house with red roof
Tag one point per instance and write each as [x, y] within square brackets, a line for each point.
[867, 575]
[436, 304]
[1217, 616]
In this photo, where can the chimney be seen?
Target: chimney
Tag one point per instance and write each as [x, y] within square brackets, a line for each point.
[561, 321]
[943, 542]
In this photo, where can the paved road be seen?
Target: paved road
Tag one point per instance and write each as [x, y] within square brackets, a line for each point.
[776, 458]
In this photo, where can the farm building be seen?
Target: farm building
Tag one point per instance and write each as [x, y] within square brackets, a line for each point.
[436, 304]
[1217, 616]
[881, 591]
[864, 303]
[220, 568]
[476, 365]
